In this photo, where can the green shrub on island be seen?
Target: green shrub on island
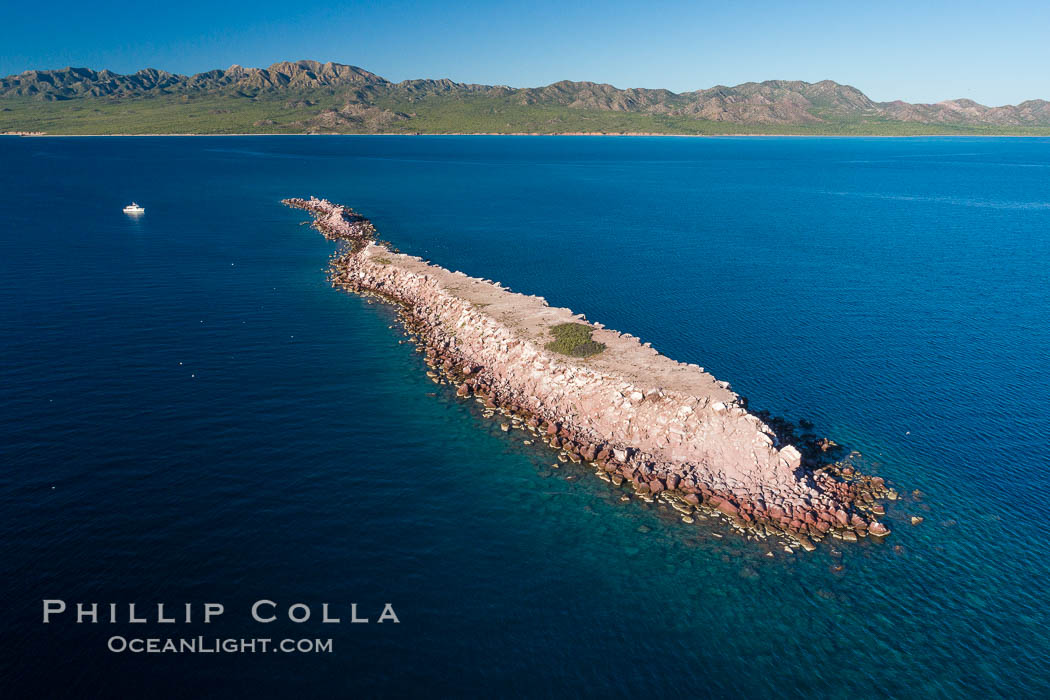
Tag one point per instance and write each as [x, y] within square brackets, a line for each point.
[574, 340]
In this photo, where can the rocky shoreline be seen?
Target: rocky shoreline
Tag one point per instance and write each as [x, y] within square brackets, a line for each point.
[669, 430]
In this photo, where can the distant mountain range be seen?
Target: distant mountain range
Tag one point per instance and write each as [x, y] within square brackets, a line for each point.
[312, 97]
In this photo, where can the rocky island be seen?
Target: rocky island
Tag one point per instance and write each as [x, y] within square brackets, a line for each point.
[668, 429]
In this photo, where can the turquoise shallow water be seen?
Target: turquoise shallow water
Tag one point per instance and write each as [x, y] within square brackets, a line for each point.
[191, 414]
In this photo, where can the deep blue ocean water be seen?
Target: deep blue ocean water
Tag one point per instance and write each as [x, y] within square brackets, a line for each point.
[190, 413]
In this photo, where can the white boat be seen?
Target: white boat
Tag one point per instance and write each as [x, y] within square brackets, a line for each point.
[133, 209]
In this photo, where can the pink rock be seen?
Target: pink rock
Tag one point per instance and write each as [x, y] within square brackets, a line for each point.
[727, 508]
[878, 529]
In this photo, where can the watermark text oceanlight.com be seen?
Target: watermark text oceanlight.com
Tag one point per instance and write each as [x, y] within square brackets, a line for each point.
[262, 611]
[215, 645]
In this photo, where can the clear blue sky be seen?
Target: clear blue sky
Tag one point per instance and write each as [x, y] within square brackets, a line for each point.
[992, 52]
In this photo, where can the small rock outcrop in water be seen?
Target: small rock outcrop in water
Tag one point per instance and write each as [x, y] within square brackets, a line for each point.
[669, 428]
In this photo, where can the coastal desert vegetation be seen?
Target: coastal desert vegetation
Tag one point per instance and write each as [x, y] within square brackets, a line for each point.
[307, 97]
[574, 340]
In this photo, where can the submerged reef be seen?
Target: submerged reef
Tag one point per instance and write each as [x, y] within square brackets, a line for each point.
[669, 429]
